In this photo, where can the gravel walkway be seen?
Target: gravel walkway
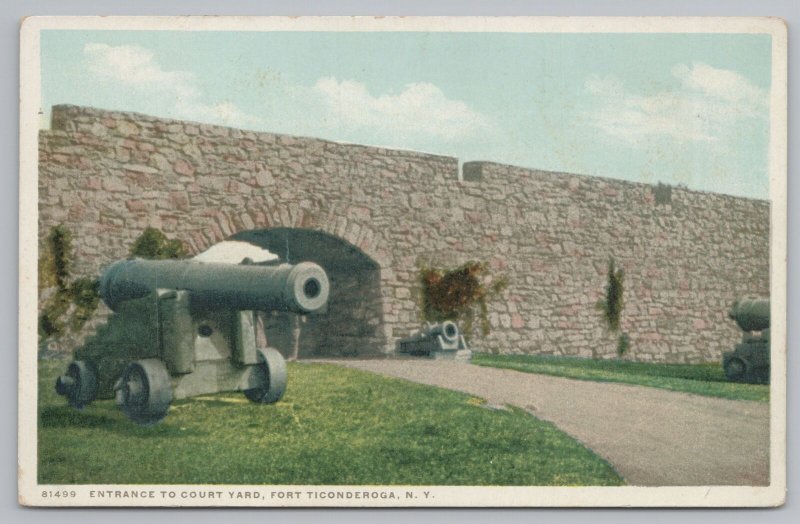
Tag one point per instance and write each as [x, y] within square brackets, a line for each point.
[653, 437]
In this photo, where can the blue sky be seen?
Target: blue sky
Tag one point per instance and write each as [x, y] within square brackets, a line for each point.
[686, 109]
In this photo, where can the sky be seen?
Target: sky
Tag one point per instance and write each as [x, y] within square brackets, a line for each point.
[689, 109]
[233, 252]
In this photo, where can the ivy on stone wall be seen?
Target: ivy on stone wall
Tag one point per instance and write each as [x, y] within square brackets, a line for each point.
[623, 344]
[455, 294]
[60, 242]
[74, 301]
[611, 305]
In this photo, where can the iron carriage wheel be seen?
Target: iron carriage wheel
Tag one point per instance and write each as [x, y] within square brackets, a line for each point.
[735, 369]
[271, 375]
[79, 384]
[144, 391]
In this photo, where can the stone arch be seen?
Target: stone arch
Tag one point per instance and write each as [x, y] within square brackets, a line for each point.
[352, 324]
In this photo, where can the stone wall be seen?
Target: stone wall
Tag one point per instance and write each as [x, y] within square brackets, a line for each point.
[687, 255]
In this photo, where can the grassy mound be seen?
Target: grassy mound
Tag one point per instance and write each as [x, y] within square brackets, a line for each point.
[334, 426]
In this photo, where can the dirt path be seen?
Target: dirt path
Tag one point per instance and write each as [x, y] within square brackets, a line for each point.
[653, 437]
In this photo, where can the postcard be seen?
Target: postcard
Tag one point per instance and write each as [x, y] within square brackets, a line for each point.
[402, 262]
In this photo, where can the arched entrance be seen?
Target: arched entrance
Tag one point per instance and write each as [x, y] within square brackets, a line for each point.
[352, 323]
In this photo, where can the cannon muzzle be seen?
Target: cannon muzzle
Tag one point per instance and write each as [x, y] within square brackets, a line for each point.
[751, 314]
[299, 288]
[440, 340]
[447, 329]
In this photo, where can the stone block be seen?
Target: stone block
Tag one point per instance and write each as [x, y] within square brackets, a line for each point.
[114, 184]
[126, 128]
[183, 167]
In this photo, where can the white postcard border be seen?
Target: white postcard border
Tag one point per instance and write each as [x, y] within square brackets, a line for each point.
[31, 493]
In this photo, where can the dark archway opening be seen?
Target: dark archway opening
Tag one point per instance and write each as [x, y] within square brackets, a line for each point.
[351, 325]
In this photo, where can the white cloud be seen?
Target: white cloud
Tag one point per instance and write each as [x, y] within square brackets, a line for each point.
[342, 109]
[137, 67]
[420, 110]
[721, 84]
[224, 113]
[706, 105]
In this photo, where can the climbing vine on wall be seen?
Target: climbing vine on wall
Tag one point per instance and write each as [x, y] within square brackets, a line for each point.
[612, 304]
[456, 294]
[78, 297]
[623, 344]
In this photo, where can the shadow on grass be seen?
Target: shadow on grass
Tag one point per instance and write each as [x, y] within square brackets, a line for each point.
[65, 417]
[212, 403]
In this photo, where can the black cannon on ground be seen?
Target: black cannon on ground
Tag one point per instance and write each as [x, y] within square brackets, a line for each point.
[749, 361]
[182, 328]
[436, 340]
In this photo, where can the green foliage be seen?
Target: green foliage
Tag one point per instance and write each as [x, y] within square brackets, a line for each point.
[60, 243]
[55, 261]
[51, 321]
[335, 426]
[78, 299]
[611, 306]
[454, 294]
[623, 344]
[85, 296]
[153, 244]
[82, 292]
[700, 379]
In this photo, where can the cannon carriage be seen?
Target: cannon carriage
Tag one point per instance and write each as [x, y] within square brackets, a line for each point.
[750, 359]
[182, 328]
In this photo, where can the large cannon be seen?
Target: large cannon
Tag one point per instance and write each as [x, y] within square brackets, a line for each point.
[182, 328]
[749, 361]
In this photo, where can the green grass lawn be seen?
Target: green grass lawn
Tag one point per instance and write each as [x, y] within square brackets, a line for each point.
[334, 426]
[700, 379]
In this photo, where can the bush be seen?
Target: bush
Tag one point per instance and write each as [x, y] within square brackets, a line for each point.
[152, 243]
[455, 293]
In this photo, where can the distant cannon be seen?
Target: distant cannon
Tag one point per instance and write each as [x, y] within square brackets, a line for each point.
[182, 328]
[442, 340]
[750, 360]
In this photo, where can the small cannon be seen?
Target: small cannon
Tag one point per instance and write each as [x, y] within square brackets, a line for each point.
[442, 340]
[749, 361]
[182, 328]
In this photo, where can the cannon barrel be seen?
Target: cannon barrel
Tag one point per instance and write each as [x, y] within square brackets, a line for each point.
[751, 314]
[300, 288]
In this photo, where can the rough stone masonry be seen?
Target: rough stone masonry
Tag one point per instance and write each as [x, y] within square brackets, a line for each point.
[687, 255]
